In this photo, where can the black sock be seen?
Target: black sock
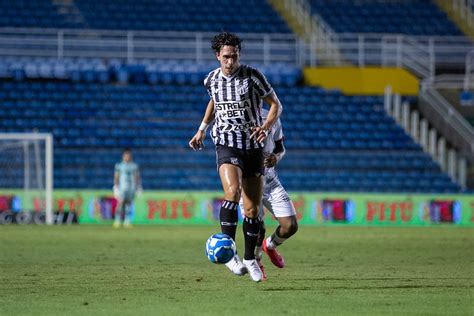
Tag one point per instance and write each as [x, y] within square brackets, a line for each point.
[261, 234]
[251, 228]
[229, 218]
[276, 238]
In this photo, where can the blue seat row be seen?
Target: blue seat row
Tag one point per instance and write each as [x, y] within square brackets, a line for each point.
[335, 142]
[412, 17]
[144, 71]
[206, 16]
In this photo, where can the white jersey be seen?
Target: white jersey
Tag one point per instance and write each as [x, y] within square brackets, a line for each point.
[275, 134]
[238, 101]
[275, 198]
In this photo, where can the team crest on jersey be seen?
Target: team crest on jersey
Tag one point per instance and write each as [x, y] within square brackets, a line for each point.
[234, 161]
[243, 88]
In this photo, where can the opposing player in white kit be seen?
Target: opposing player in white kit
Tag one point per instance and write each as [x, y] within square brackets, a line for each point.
[275, 199]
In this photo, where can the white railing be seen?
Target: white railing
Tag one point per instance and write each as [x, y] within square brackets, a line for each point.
[422, 55]
[299, 10]
[469, 72]
[446, 119]
[133, 45]
[457, 81]
[419, 54]
[450, 81]
[432, 140]
[465, 10]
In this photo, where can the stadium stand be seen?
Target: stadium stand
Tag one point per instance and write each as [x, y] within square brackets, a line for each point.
[140, 71]
[181, 15]
[96, 107]
[39, 13]
[412, 17]
[335, 142]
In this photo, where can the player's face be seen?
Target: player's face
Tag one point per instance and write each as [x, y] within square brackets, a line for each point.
[229, 57]
[127, 156]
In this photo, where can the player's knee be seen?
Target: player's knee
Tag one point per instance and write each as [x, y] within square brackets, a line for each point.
[288, 228]
[251, 212]
[232, 193]
[293, 227]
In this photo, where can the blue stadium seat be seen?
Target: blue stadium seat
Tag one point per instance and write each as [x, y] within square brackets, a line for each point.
[335, 142]
[181, 15]
[411, 17]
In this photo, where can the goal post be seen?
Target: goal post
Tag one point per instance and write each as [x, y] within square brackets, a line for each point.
[26, 163]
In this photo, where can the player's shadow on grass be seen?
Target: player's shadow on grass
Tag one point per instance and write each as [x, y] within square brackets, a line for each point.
[409, 286]
[380, 279]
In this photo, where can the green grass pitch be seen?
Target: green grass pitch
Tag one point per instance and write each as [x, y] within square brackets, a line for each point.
[162, 270]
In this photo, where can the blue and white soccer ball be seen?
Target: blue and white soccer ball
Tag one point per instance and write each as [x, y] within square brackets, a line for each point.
[220, 248]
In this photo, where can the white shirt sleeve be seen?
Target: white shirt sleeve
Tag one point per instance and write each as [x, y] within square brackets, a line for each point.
[278, 134]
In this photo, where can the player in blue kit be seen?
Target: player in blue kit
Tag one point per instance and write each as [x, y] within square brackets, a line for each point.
[127, 184]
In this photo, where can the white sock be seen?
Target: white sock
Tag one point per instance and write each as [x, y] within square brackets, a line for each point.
[274, 241]
[270, 244]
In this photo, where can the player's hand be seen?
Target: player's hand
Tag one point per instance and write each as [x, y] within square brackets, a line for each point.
[196, 143]
[270, 160]
[259, 133]
[139, 191]
[116, 192]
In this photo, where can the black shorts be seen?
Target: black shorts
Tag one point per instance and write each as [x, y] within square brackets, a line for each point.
[250, 161]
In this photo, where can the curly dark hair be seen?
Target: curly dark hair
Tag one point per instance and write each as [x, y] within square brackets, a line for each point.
[223, 39]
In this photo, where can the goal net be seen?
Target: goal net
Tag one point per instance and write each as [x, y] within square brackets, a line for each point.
[26, 173]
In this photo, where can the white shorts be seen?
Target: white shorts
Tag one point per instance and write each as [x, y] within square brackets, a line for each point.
[275, 199]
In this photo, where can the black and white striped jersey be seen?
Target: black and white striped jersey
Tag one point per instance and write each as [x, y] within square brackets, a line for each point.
[237, 105]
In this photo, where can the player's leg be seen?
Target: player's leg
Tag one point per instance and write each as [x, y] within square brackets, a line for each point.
[261, 236]
[288, 226]
[128, 202]
[252, 195]
[279, 203]
[118, 211]
[262, 229]
[258, 248]
[231, 179]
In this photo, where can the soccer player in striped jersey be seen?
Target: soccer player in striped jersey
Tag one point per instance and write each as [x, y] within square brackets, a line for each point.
[237, 93]
[127, 183]
[275, 199]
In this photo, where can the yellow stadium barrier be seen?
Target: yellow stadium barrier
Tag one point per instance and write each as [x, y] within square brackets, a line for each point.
[362, 81]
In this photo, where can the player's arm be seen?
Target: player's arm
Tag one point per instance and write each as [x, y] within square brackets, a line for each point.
[138, 181]
[138, 178]
[196, 142]
[116, 175]
[273, 114]
[274, 158]
[116, 182]
[116, 178]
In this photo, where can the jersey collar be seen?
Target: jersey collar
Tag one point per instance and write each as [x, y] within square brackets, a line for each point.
[232, 75]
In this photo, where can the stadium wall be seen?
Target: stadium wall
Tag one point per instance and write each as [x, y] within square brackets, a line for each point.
[323, 209]
[363, 81]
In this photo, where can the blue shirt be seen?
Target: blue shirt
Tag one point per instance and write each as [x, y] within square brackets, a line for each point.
[127, 172]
